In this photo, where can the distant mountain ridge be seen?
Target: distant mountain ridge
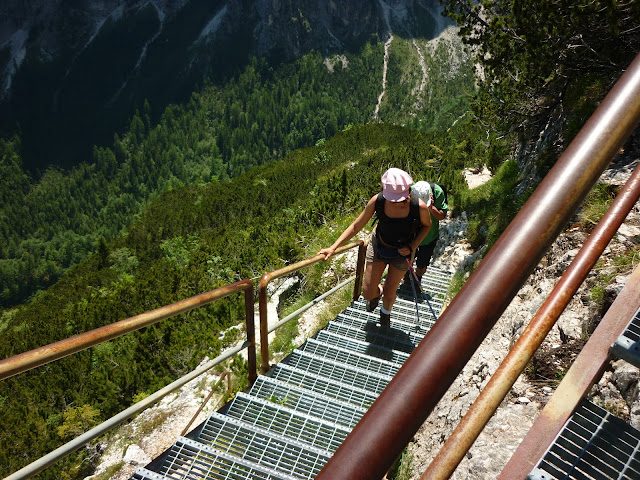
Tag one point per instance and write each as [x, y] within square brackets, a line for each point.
[72, 72]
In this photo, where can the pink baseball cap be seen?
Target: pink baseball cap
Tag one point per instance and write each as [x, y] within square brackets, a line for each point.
[396, 185]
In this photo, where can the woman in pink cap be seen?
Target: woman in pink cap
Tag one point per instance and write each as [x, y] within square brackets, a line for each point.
[403, 222]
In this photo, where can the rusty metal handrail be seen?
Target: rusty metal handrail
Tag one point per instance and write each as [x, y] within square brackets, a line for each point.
[268, 277]
[40, 356]
[467, 431]
[418, 386]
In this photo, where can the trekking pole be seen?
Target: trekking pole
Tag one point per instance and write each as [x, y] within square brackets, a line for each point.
[415, 298]
[424, 295]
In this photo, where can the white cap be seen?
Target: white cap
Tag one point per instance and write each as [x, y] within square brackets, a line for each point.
[423, 190]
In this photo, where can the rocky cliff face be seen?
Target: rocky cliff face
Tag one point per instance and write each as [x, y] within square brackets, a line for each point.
[97, 60]
[52, 30]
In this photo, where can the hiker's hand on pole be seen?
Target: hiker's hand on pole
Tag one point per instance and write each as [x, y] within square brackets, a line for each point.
[327, 252]
[405, 251]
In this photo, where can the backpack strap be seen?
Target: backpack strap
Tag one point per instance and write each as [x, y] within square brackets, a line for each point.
[380, 205]
[442, 187]
[414, 214]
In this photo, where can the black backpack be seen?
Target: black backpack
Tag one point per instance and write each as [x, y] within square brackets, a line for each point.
[444, 189]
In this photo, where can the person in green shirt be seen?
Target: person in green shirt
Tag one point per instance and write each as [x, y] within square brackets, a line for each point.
[435, 198]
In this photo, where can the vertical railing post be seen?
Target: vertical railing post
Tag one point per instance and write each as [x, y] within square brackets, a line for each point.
[263, 299]
[357, 287]
[249, 301]
[263, 302]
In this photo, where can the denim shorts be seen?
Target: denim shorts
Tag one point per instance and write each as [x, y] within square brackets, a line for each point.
[387, 255]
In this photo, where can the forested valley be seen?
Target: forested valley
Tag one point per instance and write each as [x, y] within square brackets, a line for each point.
[245, 178]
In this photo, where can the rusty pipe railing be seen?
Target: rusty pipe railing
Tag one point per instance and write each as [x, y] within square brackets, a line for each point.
[268, 277]
[40, 356]
[397, 414]
[466, 432]
[43, 355]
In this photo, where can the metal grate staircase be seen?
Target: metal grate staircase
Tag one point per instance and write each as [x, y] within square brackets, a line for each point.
[292, 419]
[594, 444]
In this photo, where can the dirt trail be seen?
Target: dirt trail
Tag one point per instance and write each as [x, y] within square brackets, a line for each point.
[387, 44]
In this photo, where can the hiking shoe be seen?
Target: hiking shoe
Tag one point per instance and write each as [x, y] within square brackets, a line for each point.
[373, 303]
[385, 319]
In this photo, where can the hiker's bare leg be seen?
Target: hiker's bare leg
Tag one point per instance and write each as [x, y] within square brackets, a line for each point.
[390, 286]
[372, 276]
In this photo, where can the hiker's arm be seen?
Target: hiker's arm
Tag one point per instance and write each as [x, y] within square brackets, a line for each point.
[437, 213]
[352, 229]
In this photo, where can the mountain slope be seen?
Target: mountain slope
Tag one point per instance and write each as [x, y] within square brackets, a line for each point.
[72, 75]
[189, 240]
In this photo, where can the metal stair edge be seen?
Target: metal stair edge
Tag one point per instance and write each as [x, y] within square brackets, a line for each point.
[257, 429]
[198, 447]
[358, 344]
[306, 390]
[339, 364]
[142, 473]
[319, 379]
[319, 344]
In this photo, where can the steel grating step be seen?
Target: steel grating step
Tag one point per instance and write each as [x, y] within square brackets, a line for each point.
[435, 287]
[189, 459]
[358, 377]
[374, 335]
[400, 318]
[406, 293]
[406, 314]
[267, 448]
[365, 348]
[436, 281]
[401, 309]
[436, 273]
[322, 385]
[285, 421]
[366, 362]
[407, 305]
[408, 302]
[627, 346]
[392, 333]
[306, 401]
[592, 445]
[400, 303]
[144, 474]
